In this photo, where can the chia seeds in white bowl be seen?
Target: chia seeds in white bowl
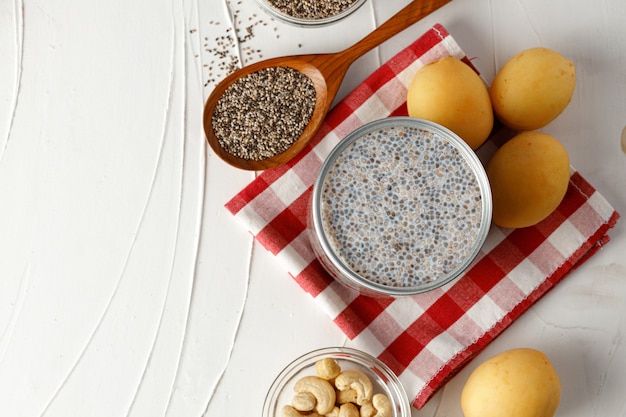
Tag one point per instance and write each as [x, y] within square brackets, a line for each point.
[310, 13]
[401, 206]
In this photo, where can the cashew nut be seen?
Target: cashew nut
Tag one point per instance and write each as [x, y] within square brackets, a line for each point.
[321, 389]
[358, 381]
[289, 411]
[304, 401]
[367, 409]
[327, 368]
[348, 410]
[333, 413]
[346, 396]
[382, 405]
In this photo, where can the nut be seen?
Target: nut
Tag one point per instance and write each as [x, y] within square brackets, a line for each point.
[327, 368]
[289, 411]
[358, 381]
[321, 389]
[333, 413]
[304, 401]
[382, 406]
[347, 396]
[367, 409]
[348, 410]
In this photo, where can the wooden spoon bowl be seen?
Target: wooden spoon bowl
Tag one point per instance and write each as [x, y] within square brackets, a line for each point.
[326, 71]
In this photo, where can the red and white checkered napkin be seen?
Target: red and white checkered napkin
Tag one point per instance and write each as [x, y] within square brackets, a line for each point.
[426, 338]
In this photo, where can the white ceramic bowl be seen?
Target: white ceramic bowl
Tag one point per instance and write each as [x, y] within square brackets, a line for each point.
[283, 15]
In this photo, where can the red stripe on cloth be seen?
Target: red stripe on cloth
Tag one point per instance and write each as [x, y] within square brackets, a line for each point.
[277, 235]
[375, 82]
[295, 161]
[245, 196]
[445, 311]
[314, 279]
[400, 111]
[360, 313]
[583, 219]
[401, 352]
[286, 226]
[582, 185]
[486, 273]
[573, 199]
[504, 256]
[546, 257]
[428, 40]
[526, 240]
[338, 114]
[466, 292]
[255, 188]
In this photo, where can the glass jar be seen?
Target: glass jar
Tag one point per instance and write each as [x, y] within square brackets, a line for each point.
[401, 206]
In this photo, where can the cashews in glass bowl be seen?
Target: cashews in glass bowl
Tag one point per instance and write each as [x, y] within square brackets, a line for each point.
[336, 382]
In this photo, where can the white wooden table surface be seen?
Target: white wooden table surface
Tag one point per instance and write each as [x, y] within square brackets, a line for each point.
[125, 286]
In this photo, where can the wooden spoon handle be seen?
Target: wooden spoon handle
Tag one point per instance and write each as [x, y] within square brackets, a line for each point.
[409, 15]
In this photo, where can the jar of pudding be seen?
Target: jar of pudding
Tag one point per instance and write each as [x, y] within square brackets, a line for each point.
[400, 206]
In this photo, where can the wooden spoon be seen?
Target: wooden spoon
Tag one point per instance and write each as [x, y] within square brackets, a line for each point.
[326, 71]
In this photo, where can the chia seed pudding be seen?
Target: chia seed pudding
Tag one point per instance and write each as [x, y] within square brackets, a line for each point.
[310, 12]
[401, 206]
[263, 113]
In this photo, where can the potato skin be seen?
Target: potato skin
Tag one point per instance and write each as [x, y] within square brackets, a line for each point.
[518, 382]
[450, 93]
[529, 176]
[532, 88]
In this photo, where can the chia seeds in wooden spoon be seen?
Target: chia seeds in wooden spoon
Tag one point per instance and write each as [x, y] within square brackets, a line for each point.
[262, 114]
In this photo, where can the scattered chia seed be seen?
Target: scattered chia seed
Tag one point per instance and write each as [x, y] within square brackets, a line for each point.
[229, 49]
[311, 9]
[262, 114]
[401, 206]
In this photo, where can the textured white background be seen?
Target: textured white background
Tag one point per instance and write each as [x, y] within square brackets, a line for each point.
[125, 286]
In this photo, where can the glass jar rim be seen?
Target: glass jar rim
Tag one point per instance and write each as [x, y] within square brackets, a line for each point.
[337, 262]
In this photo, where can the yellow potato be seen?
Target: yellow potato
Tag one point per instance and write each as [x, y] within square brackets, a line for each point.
[532, 88]
[518, 382]
[529, 176]
[450, 93]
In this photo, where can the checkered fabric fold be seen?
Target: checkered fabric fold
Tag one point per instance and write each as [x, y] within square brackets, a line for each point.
[429, 337]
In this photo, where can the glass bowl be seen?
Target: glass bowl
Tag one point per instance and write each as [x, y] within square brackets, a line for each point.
[383, 379]
[401, 206]
[280, 9]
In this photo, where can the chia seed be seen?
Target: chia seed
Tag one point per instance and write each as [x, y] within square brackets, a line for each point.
[401, 206]
[311, 9]
[262, 114]
[226, 48]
